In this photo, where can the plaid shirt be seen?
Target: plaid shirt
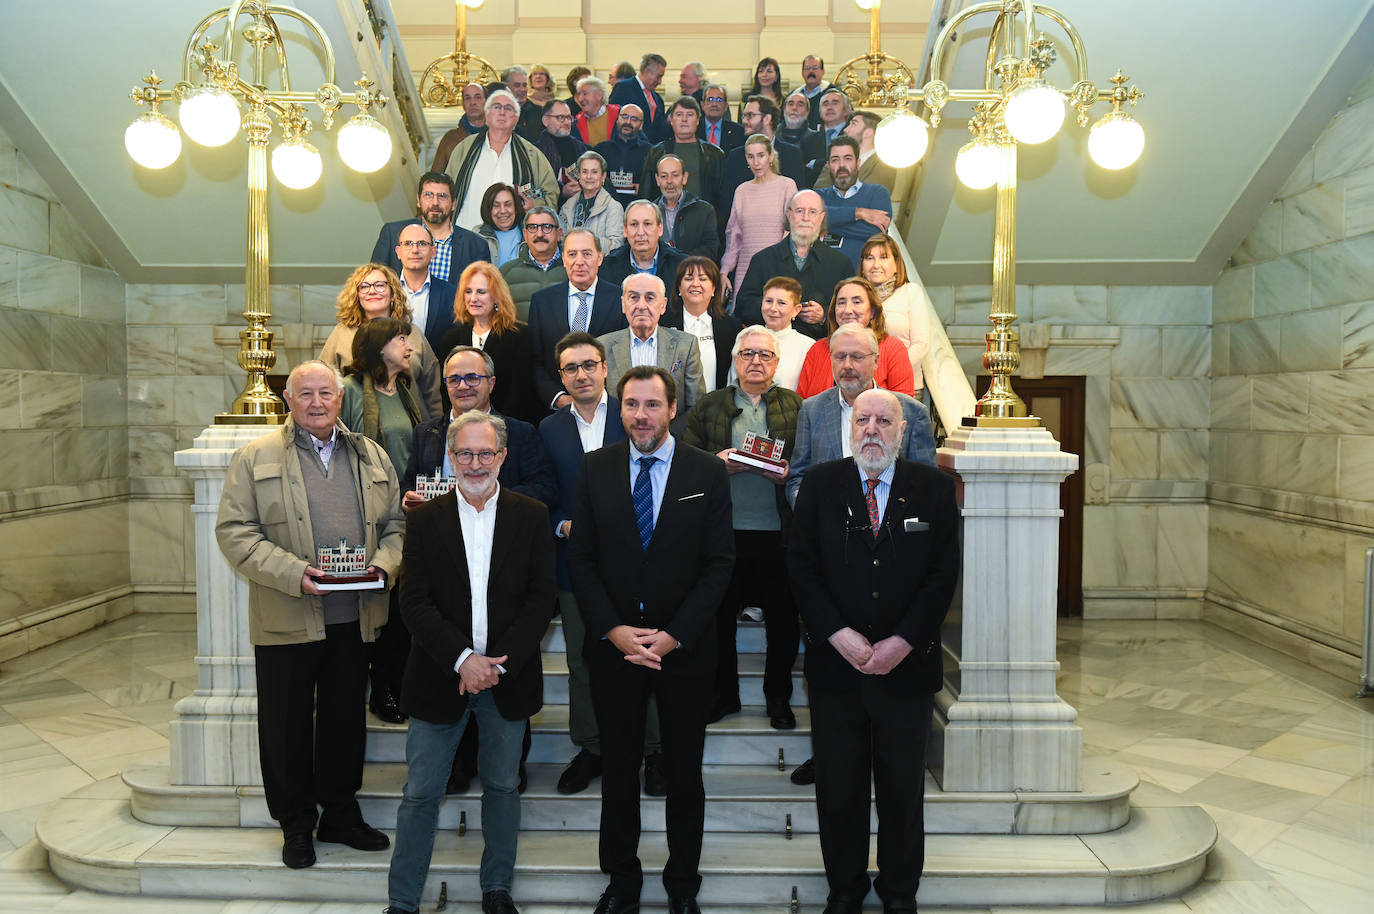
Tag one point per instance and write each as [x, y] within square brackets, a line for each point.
[443, 258]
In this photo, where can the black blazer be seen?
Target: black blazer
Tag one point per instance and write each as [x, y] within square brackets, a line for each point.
[630, 92]
[695, 233]
[436, 601]
[465, 247]
[563, 444]
[525, 471]
[731, 134]
[723, 333]
[711, 167]
[513, 394]
[790, 165]
[825, 267]
[549, 324]
[616, 267]
[679, 579]
[899, 583]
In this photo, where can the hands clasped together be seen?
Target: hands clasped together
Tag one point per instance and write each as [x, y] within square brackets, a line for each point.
[875, 659]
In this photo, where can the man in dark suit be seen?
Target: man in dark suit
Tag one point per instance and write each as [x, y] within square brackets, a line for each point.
[642, 251]
[641, 91]
[689, 224]
[795, 128]
[760, 116]
[691, 81]
[470, 375]
[477, 586]
[702, 162]
[650, 562]
[430, 298]
[874, 557]
[716, 127]
[581, 304]
[454, 247]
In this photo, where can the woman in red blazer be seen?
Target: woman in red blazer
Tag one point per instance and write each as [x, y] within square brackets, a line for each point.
[856, 301]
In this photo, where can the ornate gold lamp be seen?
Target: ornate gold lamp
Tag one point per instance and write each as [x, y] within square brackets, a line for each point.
[883, 75]
[438, 90]
[211, 113]
[1016, 104]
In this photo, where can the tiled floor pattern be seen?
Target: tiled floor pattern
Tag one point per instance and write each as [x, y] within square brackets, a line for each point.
[1279, 753]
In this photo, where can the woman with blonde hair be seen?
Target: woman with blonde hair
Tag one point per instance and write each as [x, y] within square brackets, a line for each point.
[484, 317]
[856, 302]
[541, 90]
[756, 217]
[372, 291]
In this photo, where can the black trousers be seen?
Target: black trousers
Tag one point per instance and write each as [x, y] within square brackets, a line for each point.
[759, 579]
[311, 728]
[862, 736]
[620, 696]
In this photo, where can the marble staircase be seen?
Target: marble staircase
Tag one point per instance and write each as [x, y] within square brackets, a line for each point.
[139, 834]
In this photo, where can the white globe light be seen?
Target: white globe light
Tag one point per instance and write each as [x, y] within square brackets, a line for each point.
[977, 164]
[296, 163]
[901, 139]
[210, 115]
[865, 5]
[1116, 141]
[364, 143]
[1035, 112]
[152, 140]
[473, 4]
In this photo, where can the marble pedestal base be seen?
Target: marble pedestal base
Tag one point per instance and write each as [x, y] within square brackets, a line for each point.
[999, 725]
[215, 734]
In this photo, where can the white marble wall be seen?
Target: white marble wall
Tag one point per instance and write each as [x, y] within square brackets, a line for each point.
[64, 455]
[1291, 469]
[1145, 353]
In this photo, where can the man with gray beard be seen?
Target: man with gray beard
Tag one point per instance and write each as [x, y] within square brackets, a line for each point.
[874, 559]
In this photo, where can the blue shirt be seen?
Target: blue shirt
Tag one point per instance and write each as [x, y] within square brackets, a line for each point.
[882, 491]
[658, 473]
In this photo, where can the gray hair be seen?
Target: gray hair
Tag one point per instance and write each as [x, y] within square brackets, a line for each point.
[543, 210]
[476, 417]
[513, 68]
[658, 216]
[697, 68]
[596, 241]
[858, 330]
[510, 96]
[594, 156]
[596, 82]
[658, 281]
[460, 350]
[752, 330]
[792, 204]
[313, 363]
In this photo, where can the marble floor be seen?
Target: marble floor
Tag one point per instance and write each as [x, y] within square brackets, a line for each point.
[1279, 753]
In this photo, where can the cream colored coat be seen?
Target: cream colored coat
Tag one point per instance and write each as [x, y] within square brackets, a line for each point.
[264, 531]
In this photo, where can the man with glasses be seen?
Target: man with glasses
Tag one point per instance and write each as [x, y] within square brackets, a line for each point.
[475, 655]
[430, 298]
[537, 263]
[560, 145]
[624, 153]
[814, 85]
[716, 127]
[641, 91]
[718, 424]
[454, 247]
[499, 156]
[803, 257]
[760, 116]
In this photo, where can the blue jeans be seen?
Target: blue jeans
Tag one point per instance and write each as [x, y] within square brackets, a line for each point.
[429, 757]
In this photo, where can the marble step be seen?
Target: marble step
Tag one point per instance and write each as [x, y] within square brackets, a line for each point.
[739, 799]
[750, 668]
[94, 842]
[743, 738]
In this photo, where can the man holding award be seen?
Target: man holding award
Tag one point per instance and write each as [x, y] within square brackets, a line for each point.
[751, 426]
[312, 486]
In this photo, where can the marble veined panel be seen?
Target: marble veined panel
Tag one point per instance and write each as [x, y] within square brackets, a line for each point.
[1069, 304]
[1255, 346]
[1161, 304]
[79, 454]
[1160, 403]
[285, 301]
[1357, 335]
[1340, 402]
[1232, 295]
[1187, 352]
[102, 295]
[23, 220]
[1183, 454]
[48, 559]
[9, 399]
[1344, 146]
[176, 303]
[1356, 478]
[1315, 216]
[1265, 240]
[50, 400]
[152, 350]
[1139, 353]
[25, 460]
[49, 285]
[1282, 286]
[28, 340]
[1311, 341]
[1135, 454]
[156, 532]
[9, 278]
[79, 345]
[1359, 202]
[1119, 545]
[1221, 350]
[1182, 546]
[1280, 402]
[1343, 272]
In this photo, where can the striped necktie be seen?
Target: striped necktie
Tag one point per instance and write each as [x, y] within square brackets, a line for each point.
[643, 495]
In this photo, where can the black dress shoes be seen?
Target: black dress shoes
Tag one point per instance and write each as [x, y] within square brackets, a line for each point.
[805, 773]
[579, 773]
[610, 904]
[844, 906]
[899, 907]
[385, 707]
[361, 837]
[683, 906]
[780, 716]
[498, 902]
[655, 778]
[297, 851]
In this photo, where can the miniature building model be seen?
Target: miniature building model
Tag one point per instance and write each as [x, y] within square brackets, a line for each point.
[428, 487]
[342, 559]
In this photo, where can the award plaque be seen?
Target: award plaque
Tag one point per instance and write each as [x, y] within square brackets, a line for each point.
[345, 568]
[760, 452]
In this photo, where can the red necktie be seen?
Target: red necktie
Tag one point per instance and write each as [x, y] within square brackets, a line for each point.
[649, 97]
[713, 140]
[873, 517]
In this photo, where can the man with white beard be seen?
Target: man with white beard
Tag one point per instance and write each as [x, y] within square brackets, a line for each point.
[874, 558]
[797, 129]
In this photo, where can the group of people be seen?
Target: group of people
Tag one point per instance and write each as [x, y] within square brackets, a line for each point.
[547, 394]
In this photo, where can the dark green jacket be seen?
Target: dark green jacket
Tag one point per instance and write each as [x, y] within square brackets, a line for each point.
[708, 426]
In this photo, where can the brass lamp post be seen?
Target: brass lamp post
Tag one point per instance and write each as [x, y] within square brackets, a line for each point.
[440, 91]
[1015, 105]
[211, 115]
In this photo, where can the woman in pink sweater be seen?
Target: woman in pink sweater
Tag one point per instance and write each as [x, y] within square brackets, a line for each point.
[756, 217]
[856, 302]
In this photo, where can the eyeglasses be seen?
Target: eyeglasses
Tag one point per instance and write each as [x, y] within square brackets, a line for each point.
[465, 458]
[412, 245]
[854, 357]
[763, 355]
[379, 286]
[509, 109]
[813, 213]
[471, 380]
[561, 117]
[573, 368]
[715, 98]
[541, 228]
[431, 195]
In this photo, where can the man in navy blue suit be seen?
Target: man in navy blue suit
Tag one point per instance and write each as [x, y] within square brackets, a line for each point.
[430, 298]
[454, 247]
[580, 304]
[641, 91]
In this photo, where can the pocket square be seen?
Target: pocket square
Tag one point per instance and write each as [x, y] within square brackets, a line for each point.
[914, 525]
[676, 365]
[690, 497]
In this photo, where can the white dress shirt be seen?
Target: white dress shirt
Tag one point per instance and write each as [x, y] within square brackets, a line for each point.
[418, 301]
[572, 302]
[700, 327]
[478, 529]
[643, 352]
[491, 168]
[592, 433]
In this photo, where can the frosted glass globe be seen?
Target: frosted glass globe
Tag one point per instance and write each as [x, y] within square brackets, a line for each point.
[364, 143]
[210, 115]
[866, 5]
[901, 139]
[296, 163]
[1116, 141]
[1035, 112]
[473, 4]
[977, 164]
[152, 140]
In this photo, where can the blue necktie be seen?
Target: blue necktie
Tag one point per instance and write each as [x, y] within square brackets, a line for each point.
[643, 495]
[582, 315]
